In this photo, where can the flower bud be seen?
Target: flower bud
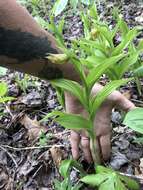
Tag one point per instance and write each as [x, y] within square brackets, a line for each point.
[57, 58]
[94, 33]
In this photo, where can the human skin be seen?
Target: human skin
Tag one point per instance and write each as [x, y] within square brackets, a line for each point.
[23, 47]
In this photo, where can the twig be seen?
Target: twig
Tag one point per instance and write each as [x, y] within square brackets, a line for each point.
[10, 155]
[29, 148]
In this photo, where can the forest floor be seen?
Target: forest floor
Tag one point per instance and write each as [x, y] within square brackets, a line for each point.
[29, 158]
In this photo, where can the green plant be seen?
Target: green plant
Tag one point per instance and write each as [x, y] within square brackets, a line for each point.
[134, 120]
[44, 138]
[97, 53]
[106, 178]
[3, 97]
[88, 53]
[3, 93]
[64, 170]
[25, 82]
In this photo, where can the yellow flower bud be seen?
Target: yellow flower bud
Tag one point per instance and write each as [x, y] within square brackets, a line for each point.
[58, 58]
[94, 33]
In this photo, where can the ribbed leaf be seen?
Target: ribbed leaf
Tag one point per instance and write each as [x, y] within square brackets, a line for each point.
[139, 72]
[134, 120]
[59, 6]
[72, 87]
[131, 184]
[94, 179]
[98, 71]
[71, 121]
[3, 88]
[125, 42]
[64, 168]
[104, 93]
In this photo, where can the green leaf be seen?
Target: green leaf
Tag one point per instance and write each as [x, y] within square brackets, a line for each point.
[59, 6]
[3, 88]
[131, 184]
[124, 28]
[6, 99]
[94, 179]
[108, 183]
[134, 119]
[139, 72]
[119, 69]
[72, 121]
[106, 33]
[74, 3]
[102, 169]
[86, 25]
[64, 168]
[98, 71]
[104, 93]
[125, 42]
[67, 164]
[140, 46]
[93, 11]
[71, 86]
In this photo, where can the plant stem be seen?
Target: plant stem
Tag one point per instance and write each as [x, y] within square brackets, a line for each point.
[138, 86]
[94, 150]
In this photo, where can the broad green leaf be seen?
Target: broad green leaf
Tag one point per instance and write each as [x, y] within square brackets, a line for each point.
[72, 121]
[59, 6]
[72, 87]
[64, 168]
[93, 11]
[125, 41]
[108, 184]
[98, 71]
[61, 26]
[134, 119]
[104, 93]
[117, 71]
[139, 72]
[140, 46]
[124, 28]
[131, 184]
[90, 46]
[94, 179]
[104, 31]
[3, 88]
[86, 25]
[101, 169]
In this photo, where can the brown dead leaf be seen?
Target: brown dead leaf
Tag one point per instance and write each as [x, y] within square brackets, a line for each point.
[57, 155]
[127, 94]
[34, 128]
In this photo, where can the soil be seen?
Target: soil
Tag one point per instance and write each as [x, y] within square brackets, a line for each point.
[29, 159]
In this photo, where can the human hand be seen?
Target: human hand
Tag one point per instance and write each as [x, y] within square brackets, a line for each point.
[102, 124]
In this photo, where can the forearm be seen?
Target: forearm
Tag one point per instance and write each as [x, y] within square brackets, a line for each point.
[24, 44]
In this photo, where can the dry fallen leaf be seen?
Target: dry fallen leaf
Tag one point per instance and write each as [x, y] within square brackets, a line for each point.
[34, 128]
[57, 155]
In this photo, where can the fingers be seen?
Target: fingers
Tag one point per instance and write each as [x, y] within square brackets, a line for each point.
[124, 104]
[75, 141]
[85, 144]
[105, 145]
